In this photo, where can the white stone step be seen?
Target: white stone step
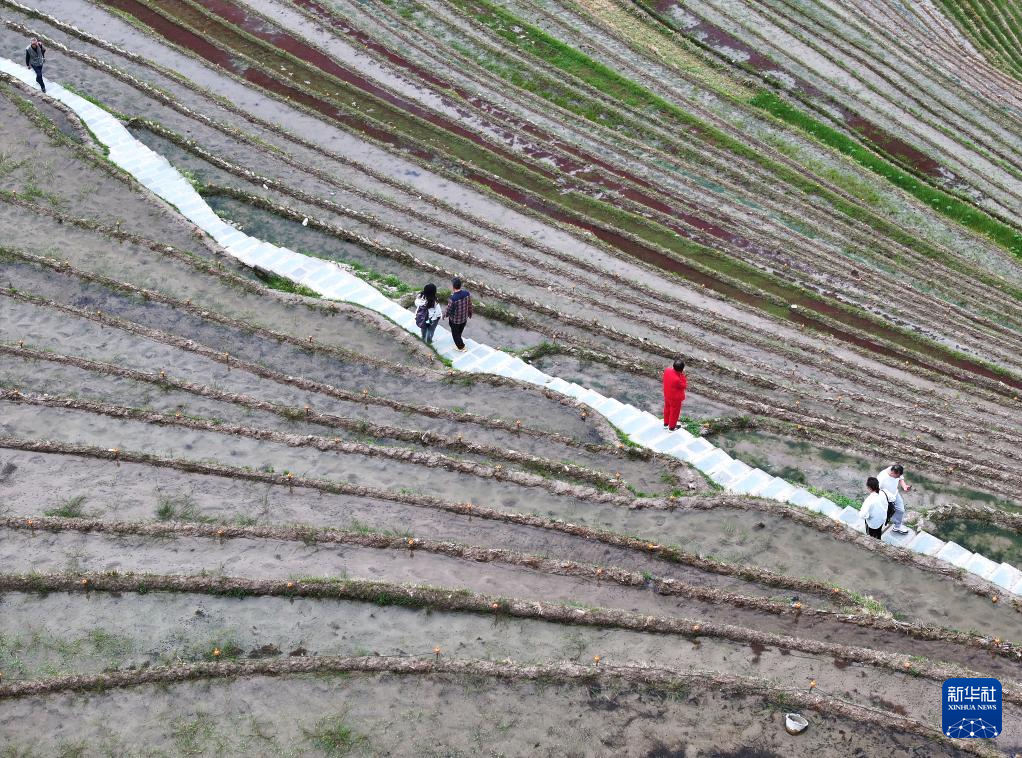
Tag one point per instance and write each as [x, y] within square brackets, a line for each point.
[443, 339]
[626, 413]
[955, 554]
[926, 544]
[648, 434]
[244, 245]
[695, 450]
[639, 423]
[1006, 576]
[573, 390]
[391, 310]
[602, 405]
[497, 363]
[291, 265]
[667, 442]
[190, 206]
[751, 483]
[478, 349]
[726, 473]
[778, 489]
[981, 566]
[463, 361]
[203, 217]
[591, 397]
[659, 438]
[719, 462]
[407, 322]
[231, 238]
[802, 498]
[344, 289]
[816, 504]
[557, 385]
[327, 272]
[672, 445]
[898, 540]
[851, 518]
[533, 375]
[612, 405]
[828, 508]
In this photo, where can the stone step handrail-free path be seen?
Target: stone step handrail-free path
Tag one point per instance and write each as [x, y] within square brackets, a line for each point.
[337, 283]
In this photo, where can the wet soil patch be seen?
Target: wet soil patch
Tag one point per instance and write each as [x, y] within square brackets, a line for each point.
[449, 715]
[34, 483]
[50, 329]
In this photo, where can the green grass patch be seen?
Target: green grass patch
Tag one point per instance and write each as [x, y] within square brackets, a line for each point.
[73, 507]
[334, 737]
[179, 508]
[283, 284]
[842, 501]
[623, 438]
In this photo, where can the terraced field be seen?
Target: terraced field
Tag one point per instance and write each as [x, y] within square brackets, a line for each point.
[246, 511]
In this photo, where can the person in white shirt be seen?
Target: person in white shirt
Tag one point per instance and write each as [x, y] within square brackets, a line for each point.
[874, 509]
[892, 482]
[428, 312]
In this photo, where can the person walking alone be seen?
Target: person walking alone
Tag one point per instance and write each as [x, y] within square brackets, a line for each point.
[892, 481]
[675, 383]
[427, 312]
[459, 311]
[874, 509]
[35, 57]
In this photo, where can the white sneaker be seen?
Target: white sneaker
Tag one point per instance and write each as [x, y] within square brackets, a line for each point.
[899, 530]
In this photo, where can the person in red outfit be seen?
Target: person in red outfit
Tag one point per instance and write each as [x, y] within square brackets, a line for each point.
[675, 383]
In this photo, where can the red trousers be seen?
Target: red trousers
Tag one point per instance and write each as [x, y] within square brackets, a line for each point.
[672, 411]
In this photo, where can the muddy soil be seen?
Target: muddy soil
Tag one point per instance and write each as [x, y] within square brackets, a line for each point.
[426, 477]
[436, 715]
[47, 328]
[132, 492]
[770, 543]
[27, 551]
[172, 628]
[127, 492]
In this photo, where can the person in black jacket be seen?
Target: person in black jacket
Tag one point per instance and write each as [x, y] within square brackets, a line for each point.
[35, 56]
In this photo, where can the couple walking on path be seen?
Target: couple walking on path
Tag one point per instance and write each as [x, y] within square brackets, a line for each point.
[428, 312]
[884, 501]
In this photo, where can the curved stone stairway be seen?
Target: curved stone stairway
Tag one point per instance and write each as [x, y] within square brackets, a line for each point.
[333, 282]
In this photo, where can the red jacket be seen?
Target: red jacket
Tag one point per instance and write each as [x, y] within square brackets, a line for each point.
[674, 385]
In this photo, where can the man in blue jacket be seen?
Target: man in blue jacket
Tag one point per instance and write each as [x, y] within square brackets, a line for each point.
[35, 56]
[459, 311]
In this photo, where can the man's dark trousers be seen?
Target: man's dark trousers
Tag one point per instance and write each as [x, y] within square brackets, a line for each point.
[39, 77]
[456, 330]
